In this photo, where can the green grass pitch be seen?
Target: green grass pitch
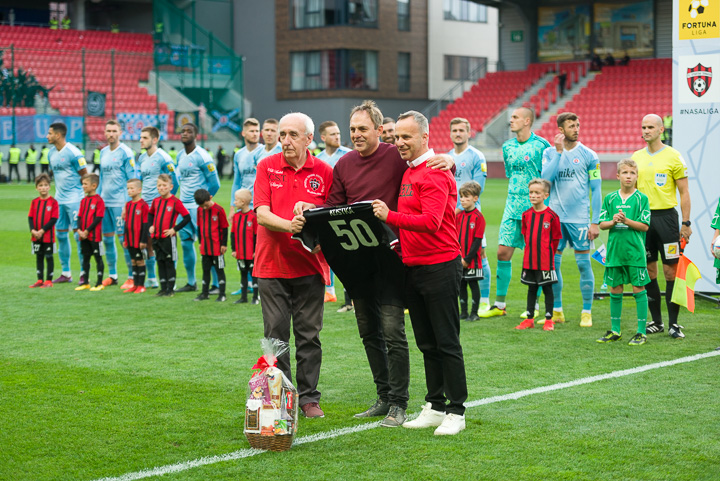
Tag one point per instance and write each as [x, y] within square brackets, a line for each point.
[96, 385]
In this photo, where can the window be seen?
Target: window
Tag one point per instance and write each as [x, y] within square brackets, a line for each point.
[334, 69]
[403, 13]
[465, 11]
[403, 72]
[324, 13]
[464, 68]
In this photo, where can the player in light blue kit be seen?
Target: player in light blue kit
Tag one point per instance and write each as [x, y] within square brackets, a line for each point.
[574, 171]
[523, 162]
[196, 170]
[244, 166]
[153, 162]
[272, 146]
[330, 135]
[117, 166]
[68, 167]
[470, 165]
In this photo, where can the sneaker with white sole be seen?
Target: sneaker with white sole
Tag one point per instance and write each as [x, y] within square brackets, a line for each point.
[484, 306]
[428, 418]
[452, 424]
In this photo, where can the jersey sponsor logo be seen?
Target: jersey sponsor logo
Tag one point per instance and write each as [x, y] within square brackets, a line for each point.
[275, 176]
[660, 179]
[406, 190]
[314, 184]
[341, 211]
[567, 174]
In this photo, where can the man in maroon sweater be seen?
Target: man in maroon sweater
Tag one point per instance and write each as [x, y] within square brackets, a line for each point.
[431, 253]
[374, 170]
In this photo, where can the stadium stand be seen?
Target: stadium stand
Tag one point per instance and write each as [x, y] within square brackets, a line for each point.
[55, 58]
[493, 94]
[612, 105]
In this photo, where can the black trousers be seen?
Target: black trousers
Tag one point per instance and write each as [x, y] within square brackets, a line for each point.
[14, 167]
[301, 300]
[431, 293]
[30, 173]
[382, 330]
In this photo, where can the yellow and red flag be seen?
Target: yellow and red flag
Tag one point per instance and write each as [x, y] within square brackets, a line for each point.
[687, 275]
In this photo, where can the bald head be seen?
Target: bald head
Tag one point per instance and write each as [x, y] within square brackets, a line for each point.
[655, 118]
[527, 113]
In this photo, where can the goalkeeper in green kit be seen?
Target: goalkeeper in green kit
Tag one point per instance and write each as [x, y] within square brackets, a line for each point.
[626, 214]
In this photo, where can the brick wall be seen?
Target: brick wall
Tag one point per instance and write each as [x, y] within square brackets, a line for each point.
[385, 39]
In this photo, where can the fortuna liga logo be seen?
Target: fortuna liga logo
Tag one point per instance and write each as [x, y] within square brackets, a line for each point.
[699, 79]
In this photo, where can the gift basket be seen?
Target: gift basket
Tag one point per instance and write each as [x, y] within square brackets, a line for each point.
[271, 409]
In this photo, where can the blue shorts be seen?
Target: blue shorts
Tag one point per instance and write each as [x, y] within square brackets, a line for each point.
[190, 230]
[68, 216]
[112, 222]
[576, 235]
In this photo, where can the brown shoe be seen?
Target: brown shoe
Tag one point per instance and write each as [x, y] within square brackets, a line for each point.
[312, 410]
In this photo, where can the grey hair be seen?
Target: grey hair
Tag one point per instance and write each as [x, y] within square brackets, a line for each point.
[419, 119]
[309, 125]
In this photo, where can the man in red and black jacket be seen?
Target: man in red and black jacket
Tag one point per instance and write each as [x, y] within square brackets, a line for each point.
[164, 211]
[135, 239]
[43, 215]
[213, 233]
[90, 216]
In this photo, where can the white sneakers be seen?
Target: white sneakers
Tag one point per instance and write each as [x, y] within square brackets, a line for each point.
[447, 424]
[452, 424]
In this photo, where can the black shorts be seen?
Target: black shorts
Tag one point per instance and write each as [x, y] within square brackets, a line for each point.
[42, 248]
[535, 277]
[91, 248]
[137, 254]
[165, 248]
[218, 262]
[245, 264]
[474, 274]
[663, 237]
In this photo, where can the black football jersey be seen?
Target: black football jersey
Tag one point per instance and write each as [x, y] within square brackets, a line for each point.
[359, 249]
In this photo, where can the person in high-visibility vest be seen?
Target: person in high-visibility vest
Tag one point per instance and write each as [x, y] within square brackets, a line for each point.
[173, 154]
[96, 159]
[53, 23]
[666, 136]
[13, 160]
[45, 160]
[1, 159]
[66, 23]
[30, 160]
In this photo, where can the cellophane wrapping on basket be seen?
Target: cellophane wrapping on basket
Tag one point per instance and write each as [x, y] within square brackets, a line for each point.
[271, 409]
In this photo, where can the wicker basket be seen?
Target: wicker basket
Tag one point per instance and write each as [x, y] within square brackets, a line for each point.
[280, 442]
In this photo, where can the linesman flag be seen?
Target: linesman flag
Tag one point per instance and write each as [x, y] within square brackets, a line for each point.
[687, 275]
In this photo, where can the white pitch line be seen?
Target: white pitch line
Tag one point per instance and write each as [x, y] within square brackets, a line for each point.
[246, 453]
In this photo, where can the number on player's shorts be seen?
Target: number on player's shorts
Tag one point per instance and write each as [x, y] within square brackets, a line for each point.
[119, 222]
[583, 232]
[360, 234]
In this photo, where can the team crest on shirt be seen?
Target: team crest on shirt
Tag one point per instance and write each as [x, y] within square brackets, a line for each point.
[576, 160]
[214, 218]
[138, 211]
[660, 179]
[546, 225]
[314, 183]
[48, 208]
[526, 158]
[249, 223]
[92, 206]
[169, 208]
[472, 225]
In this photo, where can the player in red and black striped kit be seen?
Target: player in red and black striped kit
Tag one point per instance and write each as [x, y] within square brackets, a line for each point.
[470, 225]
[213, 233]
[90, 216]
[43, 215]
[136, 234]
[540, 228]
[243, 237]
[164, 211]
